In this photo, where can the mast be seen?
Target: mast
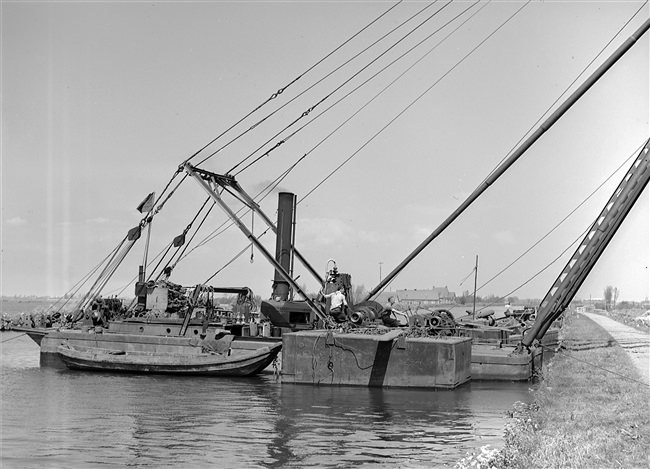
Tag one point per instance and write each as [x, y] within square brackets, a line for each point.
[564, 107]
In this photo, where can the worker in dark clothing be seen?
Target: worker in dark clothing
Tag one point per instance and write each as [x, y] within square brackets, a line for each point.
[386, 314]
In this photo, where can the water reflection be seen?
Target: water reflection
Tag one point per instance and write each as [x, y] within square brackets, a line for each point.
[325, 426]
[61, 418]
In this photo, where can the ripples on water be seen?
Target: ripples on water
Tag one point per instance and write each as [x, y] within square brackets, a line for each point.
[54, 417]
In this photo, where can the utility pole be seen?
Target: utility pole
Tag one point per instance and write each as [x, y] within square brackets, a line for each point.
[475, 277]
[380, 271]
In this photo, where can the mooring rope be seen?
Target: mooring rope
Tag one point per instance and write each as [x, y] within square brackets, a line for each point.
[559, 350]
[12, 338]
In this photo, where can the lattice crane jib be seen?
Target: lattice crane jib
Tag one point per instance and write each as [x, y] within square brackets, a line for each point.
[592, 246]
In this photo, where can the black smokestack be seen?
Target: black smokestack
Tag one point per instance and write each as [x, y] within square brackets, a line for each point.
[284, 244]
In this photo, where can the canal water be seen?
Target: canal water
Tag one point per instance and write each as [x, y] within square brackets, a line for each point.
[54, 417]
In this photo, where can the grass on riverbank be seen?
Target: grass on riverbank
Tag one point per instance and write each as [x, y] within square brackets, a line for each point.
[583, 417]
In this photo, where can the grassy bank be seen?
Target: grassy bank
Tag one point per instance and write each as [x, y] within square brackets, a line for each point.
[583, 416]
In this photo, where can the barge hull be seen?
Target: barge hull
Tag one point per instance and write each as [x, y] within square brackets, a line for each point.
[388, 360]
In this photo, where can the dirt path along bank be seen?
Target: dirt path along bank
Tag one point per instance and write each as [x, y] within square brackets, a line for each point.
[634, 341]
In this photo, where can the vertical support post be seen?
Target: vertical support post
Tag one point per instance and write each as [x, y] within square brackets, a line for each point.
[475, 278]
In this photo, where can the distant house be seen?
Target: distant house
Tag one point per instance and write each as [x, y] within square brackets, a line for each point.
[437, 295]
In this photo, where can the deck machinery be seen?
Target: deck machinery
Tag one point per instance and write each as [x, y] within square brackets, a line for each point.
[307, 313]
[286, 312]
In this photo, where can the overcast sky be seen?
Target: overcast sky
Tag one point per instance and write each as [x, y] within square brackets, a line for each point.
[101, 101]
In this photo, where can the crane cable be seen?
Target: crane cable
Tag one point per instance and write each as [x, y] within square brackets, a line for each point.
[279, 92]
[273, 96]
[557, 226]
[195, 233]
[163, 253]
[341, 85]
[173, 243]
[334, 71]
[539, 120]
[148, 218]
[270, 189]
[486, 178]
[573, 243]
[69, 295]
[228, 223]
[327, 177]
[548, 110]
[384, 89]
[284, 175]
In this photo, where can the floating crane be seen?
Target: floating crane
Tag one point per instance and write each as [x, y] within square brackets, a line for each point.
[304, 314]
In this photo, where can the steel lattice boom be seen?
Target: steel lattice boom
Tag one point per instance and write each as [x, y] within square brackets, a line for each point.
[592, 246]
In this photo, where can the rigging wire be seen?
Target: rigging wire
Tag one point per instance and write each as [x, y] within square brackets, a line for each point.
[302, 158]
[468, 276]
[195, 233]
[340, 86]
[228, 223]
[428, 89]
[269, 190]
[280, 91]
[380, 72]
[282, 176]
[164, 251]
[185, 231]
[235, 257]
[530, 130]
[548, 233]
[537, 122]
[575, 241]
[273, 96]
[69, 295]
[383, 90]
[292, 167]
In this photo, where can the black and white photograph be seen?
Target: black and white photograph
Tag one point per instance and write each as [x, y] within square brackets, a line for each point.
[325, 234]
